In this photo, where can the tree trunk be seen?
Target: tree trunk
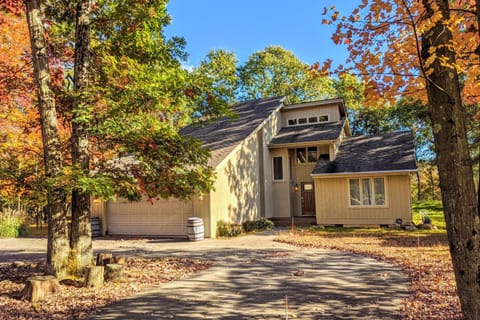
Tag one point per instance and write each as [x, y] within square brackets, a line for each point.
[57, 246]
[432, 182]
[454, 163]
[81, 232]
[419, 186]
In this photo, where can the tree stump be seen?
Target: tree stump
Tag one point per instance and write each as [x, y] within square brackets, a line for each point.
[38, 287]
[94, 276]
[104, 258]
[120, 259]
[114, 272]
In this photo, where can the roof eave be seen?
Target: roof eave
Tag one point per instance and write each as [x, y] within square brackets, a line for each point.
[300, 144]
[343, 174]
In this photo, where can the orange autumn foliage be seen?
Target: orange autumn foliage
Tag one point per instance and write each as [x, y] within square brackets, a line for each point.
[384, 41]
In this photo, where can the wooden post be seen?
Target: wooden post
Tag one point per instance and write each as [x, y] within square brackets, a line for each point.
[114, 272]
[104, 258]
[120, 259]
[38, 287]
[94, 276]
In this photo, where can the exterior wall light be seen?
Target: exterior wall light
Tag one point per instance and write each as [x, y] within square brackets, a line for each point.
[296, 188]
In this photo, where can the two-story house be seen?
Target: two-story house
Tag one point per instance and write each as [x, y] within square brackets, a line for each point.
[284, 162]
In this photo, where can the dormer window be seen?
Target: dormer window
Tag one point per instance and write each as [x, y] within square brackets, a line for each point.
[307, 120]
[323, 118]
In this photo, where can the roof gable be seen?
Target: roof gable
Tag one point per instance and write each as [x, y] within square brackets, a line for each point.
[223, 135]
[378, 153]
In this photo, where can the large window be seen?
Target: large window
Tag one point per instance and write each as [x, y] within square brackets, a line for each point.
[277, 168]
[367, 192]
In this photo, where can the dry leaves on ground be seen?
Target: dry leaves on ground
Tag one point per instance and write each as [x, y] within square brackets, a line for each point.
[74, 301]
[424, 258]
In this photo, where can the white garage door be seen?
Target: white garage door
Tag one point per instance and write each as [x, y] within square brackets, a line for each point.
[162, 218]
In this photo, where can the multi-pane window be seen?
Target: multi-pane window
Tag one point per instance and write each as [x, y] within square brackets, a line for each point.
[277, 168]
[322, 118]
[305, 120]
[367, 192]
[312, 154]
[301, 155]
[307, 155]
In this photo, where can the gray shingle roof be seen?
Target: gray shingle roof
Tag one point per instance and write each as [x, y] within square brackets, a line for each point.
[309, 133]
[223, 135]
[389, 152]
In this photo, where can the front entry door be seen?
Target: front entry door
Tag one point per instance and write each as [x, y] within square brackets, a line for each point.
[308, 199]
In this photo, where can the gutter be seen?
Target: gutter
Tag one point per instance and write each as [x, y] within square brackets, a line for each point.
[343, 174]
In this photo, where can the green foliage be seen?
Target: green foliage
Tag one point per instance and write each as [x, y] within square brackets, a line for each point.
[10, 225]
[225, 229]
[275, 71]
[139, 97]
[215, 82]
[258, 225]
[433, 209]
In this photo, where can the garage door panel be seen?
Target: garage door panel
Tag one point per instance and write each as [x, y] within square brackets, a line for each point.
[163, 217]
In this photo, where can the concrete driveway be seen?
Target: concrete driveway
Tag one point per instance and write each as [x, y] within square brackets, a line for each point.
[253, 277]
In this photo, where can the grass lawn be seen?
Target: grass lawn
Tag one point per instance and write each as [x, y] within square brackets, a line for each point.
[422, 254]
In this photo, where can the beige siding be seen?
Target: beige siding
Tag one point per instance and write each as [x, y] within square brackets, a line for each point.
[163, 217]
[201, 209]
[271, 128]
[301, 173]
[330, 110]
[332, 203]
[280, 189]
[99, 210]
[236, 196]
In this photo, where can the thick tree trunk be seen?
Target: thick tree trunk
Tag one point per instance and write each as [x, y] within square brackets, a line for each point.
[454, 163]
[57, 247]
[81, 232]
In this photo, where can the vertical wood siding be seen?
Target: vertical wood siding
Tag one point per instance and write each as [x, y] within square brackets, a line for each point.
[332, 203]
[332, 112]
[163, 217]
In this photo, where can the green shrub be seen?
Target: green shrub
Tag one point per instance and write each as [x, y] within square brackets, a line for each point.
[258, 225]
[10, 226]
[225, 229]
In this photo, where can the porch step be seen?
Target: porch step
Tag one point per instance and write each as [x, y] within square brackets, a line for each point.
[299, 221]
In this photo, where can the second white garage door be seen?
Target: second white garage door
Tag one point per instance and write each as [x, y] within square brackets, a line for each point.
[162, 218]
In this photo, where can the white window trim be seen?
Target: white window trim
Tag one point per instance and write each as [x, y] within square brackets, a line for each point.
[307, 118]
[273, 169]
[323, 115]
[292, 125]
[306, 156]
[364, 206]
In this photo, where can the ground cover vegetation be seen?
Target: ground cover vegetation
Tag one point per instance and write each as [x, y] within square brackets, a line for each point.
[73, 300]
[422, 254]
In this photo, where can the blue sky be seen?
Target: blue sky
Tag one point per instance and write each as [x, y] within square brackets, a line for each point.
[246, 26]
